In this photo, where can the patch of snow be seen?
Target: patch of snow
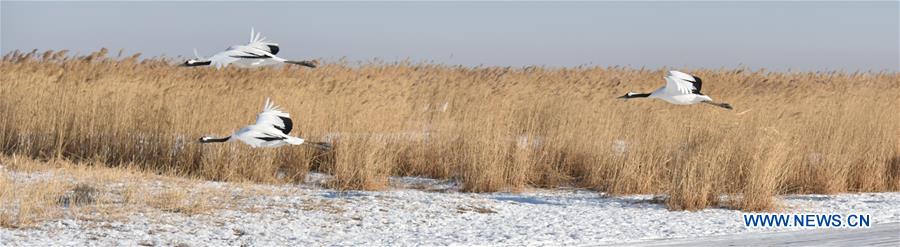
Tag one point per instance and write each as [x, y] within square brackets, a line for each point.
[308, 215]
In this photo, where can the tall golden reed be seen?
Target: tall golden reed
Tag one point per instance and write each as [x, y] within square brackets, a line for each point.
[491, 128]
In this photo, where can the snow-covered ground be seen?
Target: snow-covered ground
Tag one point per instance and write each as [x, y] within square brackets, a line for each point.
[426, 212]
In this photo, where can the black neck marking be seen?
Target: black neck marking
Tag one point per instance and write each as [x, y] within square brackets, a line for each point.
[223, 139]
[204, 63]
[636, 95]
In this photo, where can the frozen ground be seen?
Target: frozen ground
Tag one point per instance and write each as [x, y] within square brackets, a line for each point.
[426, 212]
[885, 234]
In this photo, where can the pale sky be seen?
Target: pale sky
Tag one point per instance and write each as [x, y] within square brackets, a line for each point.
[780, 36]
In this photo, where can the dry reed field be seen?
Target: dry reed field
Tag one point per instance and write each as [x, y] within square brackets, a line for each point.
[490, 128]
[34, 191]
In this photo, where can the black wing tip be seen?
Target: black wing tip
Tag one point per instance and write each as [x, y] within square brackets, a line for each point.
[273, 49]
[253, 57]
[271, 138]
[698, 84]
[288, 125]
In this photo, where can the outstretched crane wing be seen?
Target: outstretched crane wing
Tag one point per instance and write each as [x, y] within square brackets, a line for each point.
[272, 116]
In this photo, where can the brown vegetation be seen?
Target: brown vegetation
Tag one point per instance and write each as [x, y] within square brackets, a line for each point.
[32, 191]
[491, 128]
